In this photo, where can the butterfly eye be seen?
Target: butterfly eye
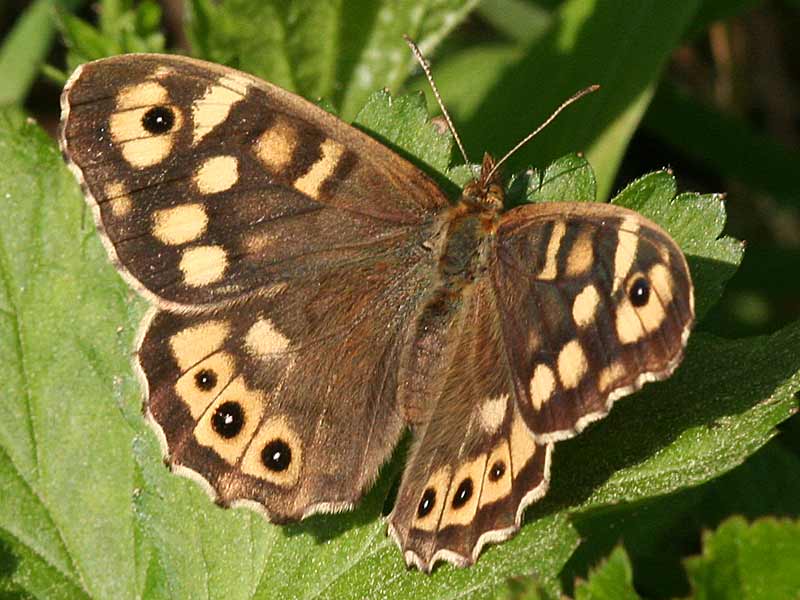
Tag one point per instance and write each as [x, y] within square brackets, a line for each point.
[276, 455]
[497, 471]
[463, 493]
[228, 419]
[639, 292]
[158, 120]
[205, 380]
[427, 503]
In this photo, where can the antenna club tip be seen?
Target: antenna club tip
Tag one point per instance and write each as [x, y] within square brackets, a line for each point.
[594, 87]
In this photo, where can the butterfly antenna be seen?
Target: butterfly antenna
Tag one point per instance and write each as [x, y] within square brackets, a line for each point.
[427, 70]
[575, 97]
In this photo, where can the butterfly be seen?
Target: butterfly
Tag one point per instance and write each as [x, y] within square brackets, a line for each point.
[315, 295]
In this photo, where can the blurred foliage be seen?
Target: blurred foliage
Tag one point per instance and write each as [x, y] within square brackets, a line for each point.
[708, 88]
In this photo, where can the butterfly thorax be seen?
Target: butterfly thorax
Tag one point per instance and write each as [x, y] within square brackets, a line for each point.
[469, 228]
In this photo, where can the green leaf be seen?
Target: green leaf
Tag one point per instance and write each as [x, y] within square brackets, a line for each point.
[403, 124]
[568, 179]
[123, 27]
[66, 326]
[657, 531]
[23, 50]
[613, 580]
[340, 50]
[744, 561]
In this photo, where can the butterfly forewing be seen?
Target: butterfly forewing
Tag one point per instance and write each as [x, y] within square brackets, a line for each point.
[595, 301]
[210, 184]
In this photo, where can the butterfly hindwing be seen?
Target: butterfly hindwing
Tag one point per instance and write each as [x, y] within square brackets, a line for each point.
[209, 184]
[474, 464]
[286, 400]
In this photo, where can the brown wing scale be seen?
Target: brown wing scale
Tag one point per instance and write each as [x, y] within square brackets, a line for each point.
[474, 465]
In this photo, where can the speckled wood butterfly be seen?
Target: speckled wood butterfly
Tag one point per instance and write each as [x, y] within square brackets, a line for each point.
[315, 294]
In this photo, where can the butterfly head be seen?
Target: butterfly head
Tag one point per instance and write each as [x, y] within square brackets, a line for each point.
[485, 194]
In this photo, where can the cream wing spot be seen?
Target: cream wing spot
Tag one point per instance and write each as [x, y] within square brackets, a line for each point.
[179, 225]
[542, 386]
[497, 478]
[523, 444]
[572, 364]
[654, 312]
[585, 306]
[275, 454]
[203, 265]
[148, 93]
[214, 107]
[147, 152]
[431, 501]
[195, 343]
[462, 500]
[275, 147]
[550, 269]
[610, 376]
[634, 323]
[264, 340]
[493, 412]
[628, 324]
[581, 256]
[625, 252]
[217, 174]
[311, 183]
[118, 199]
[229, 424]
[203, 382]
[238, 83]
[139, 147]
[162, 72]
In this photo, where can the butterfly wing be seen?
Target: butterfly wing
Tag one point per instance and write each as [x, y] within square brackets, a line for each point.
[284, 251]
[596, 300]
[474, 464]
[286, 401]
[209, 184]
[579, 305]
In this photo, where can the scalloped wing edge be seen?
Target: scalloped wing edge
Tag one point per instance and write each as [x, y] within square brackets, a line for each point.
[493, 536]
[184, 471]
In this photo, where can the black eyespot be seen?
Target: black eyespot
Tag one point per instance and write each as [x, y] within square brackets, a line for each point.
[427, 503]
[158, 120]
[276, 455]
[639, 293]
[497, 471]
[228, 419]
[205, 379]
[463, 493]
